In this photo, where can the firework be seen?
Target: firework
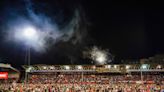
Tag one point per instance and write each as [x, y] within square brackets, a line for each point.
[99, 56]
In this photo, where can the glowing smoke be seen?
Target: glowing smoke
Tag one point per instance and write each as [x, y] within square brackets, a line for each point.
[47, 31]
[98, 55]
[38, 42]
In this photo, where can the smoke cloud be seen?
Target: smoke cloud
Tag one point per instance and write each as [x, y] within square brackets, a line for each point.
[98, 55]
[48, 30]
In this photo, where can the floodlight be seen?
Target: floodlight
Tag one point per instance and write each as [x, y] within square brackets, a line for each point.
[29, 35]
[67, 67]
[115, 66]
[79, 67]
[52, 67]
[144, 66]
[127, 66]
[29, 32]
[44, 67]
[94, 67]
[159, 66]
[108, 66]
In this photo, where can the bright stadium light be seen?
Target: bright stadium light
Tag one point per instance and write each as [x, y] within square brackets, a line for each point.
[108, 66]
[127, 66]
[115, 66]
[29, 33]
[52, 67]
[79, 67]
[159, 66]
[67, 67]
[44, 67]
[144, 66]
[94, 67]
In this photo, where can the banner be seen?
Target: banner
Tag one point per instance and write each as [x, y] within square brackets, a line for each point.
[3, 75]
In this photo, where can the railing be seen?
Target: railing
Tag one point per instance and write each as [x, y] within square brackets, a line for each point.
[62, 70]
[145, 70]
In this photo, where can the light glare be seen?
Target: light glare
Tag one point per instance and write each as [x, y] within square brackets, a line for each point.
[29, 33]
[115, 66]
[144, 66]
[79, 67]
[108, 66]
[127, 66]
[67, 67]
[159, 67]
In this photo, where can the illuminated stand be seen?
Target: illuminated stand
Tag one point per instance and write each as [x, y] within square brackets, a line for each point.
[79, 68]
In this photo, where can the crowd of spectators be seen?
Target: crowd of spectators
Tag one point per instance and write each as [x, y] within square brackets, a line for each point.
[85, 83]
[86, 78]
[65, 79]
[121, 87]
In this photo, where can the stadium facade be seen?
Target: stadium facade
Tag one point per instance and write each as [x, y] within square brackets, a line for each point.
[8, 72]
[112, 68]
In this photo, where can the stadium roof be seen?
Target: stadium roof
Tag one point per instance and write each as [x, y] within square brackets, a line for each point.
[94, 68]
[8, 66]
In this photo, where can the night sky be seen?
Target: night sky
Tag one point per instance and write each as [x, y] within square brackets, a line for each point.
[129, 30]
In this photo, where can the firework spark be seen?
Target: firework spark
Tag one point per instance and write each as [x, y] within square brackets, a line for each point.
[99, 56]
